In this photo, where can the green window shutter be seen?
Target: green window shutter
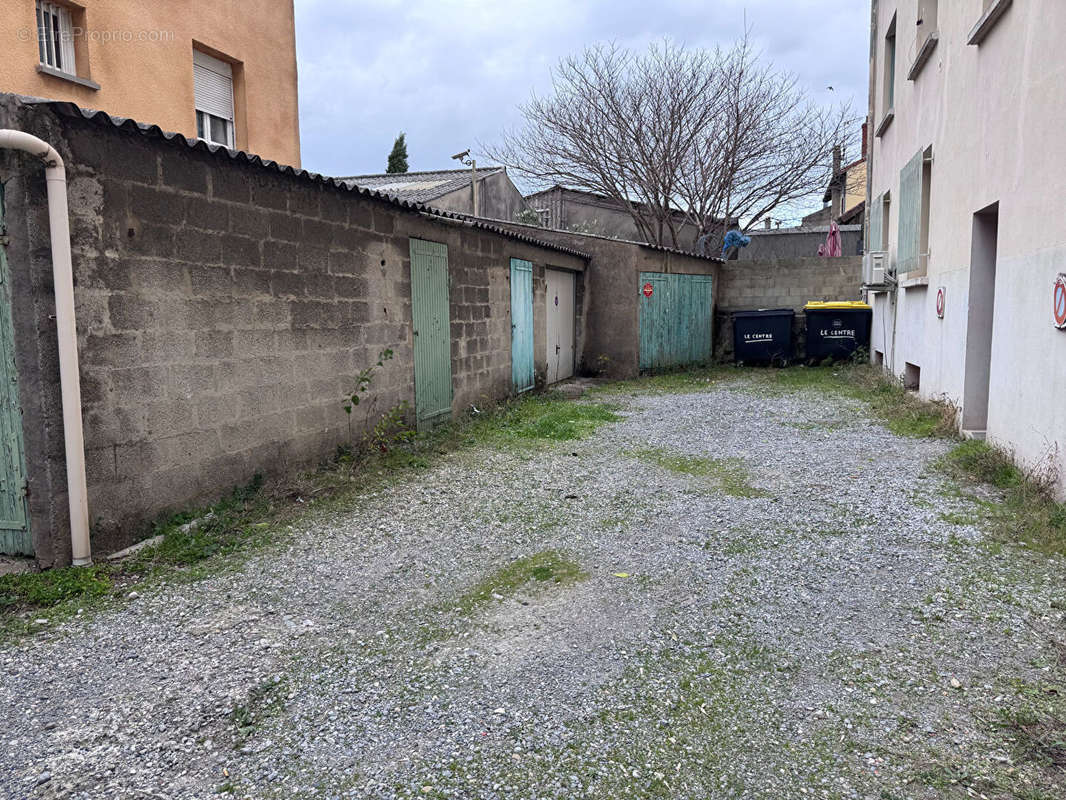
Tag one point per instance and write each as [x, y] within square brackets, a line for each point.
[910, 215]
[877, 222]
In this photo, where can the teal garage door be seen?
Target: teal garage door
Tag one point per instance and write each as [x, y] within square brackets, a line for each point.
[431, 322]
[522, 373]
[675, 320]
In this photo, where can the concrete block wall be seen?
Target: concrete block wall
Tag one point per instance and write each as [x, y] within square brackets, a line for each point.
[782, 283]
[224, 309]
[791, 243]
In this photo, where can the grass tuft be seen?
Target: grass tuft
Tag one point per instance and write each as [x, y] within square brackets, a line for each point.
[265, 700]
[978, 461]
[553, 418]
[1026, 510]
[531, 574]
[727, 474]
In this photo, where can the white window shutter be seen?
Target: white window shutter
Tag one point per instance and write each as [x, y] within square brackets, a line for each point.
[213, 85]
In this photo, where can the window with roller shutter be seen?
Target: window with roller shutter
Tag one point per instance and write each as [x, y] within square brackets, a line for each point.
[213, 91]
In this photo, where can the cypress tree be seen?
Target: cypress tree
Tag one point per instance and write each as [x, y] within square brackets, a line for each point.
[398, 156]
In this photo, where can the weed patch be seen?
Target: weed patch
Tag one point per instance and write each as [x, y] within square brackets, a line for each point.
[197, 543]
[981, 462]
[234, 523]
[1039, 736]
[37, 590]
[265, 700]
[902, 412]
[532, 574]
[727, 474]
[1026, 511]
[957, 518]
[553, 418]
[189, 543]
[1033, 730]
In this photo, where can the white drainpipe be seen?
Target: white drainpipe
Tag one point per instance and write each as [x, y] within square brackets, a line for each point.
[66, 330]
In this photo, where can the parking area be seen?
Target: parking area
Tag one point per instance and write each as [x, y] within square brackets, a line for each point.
[736, 589]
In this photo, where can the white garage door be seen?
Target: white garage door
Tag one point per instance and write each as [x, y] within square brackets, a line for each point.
[560, 297]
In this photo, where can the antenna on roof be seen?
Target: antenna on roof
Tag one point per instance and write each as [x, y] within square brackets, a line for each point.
[464, 158]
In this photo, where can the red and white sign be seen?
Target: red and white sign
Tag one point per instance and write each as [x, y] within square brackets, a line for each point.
[649, 290]
[940, 301]
[1058, 302]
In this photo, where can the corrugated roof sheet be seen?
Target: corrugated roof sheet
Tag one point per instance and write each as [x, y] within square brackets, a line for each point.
[660, 248]
[102, 118]
[420, 186]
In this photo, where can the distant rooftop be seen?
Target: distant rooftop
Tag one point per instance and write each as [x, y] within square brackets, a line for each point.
[419, 186]
[801, 229]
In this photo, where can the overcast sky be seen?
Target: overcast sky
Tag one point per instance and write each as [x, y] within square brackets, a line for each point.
[451, 73]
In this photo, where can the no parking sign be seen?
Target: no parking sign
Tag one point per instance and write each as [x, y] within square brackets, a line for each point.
[1058, 301]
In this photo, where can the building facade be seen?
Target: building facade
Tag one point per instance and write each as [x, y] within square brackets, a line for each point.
[967, 169]
[220, 71]
[564, 209]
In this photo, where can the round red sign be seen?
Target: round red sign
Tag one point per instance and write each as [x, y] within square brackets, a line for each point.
[940, 302]
[648, 290]
[1058, 302]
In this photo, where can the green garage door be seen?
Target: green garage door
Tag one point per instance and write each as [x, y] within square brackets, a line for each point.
[431, 320]
[15, 536]
[675, 320]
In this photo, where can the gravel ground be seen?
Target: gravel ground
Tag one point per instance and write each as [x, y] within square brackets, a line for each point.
[837, 633]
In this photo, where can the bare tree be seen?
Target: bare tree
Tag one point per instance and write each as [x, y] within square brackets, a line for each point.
[677, 136]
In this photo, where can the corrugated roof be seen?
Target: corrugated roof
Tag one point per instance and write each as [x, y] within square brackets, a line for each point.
[154, 131]
[420, 186]
[660, 248]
